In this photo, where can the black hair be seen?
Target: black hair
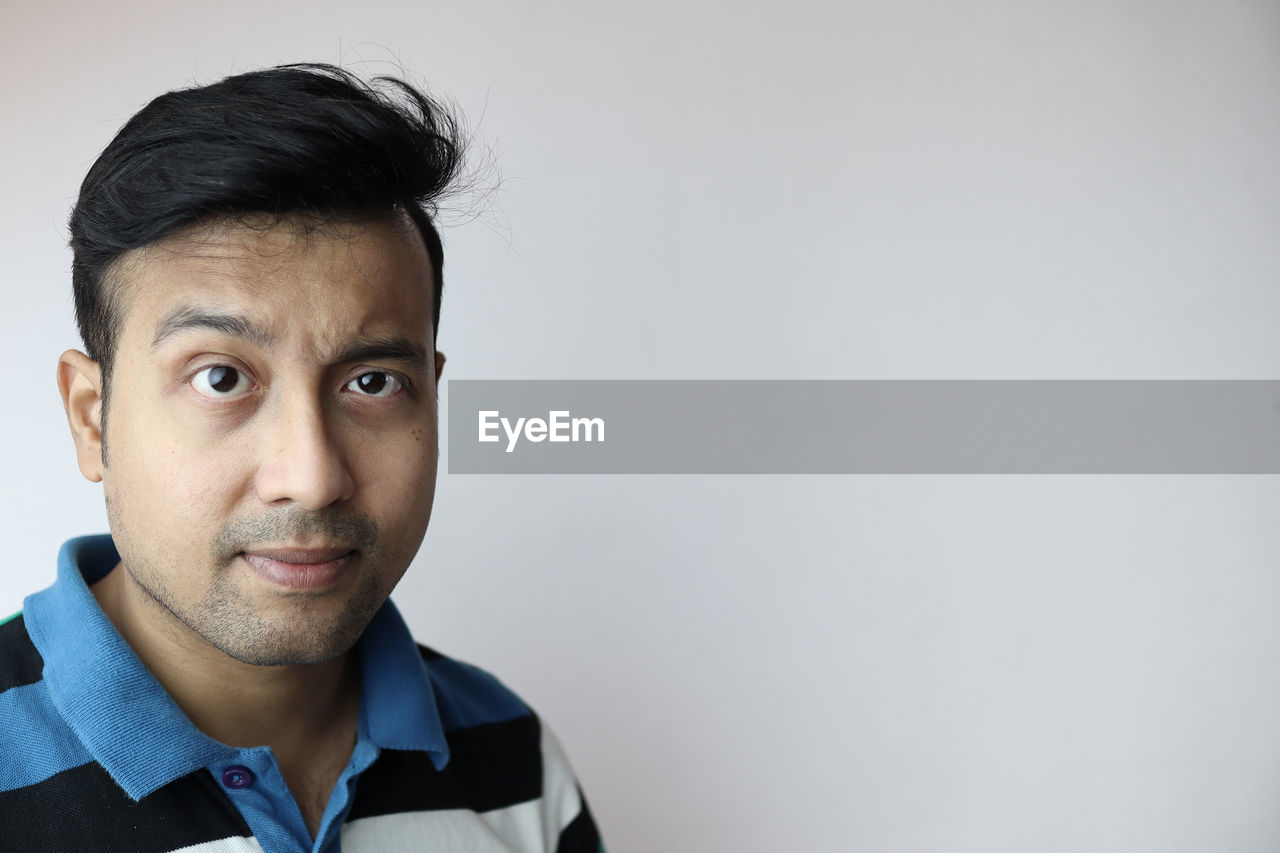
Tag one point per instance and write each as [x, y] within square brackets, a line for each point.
[307, 140]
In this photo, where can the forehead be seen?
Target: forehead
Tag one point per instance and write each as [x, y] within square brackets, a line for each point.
[326, 279]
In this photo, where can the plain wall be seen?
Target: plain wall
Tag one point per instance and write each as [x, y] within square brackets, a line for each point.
[805, 190]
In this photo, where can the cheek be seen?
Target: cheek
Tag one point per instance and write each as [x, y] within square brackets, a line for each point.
[414, 474]
[169, 486]
[400, 478]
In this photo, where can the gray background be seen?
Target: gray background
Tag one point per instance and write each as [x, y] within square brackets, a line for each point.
[802, 190]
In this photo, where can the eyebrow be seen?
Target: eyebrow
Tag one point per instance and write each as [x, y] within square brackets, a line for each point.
[390, 348]
[185, 318]
[381, 348]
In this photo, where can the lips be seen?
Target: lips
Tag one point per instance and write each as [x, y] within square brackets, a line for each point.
[299, 568]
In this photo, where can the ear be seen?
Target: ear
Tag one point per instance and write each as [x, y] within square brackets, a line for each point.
[439, 365]
[80, 383]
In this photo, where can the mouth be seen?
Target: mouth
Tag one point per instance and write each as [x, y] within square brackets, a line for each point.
[299, 568]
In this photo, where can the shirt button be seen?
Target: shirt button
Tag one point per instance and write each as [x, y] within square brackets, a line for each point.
[237, 776]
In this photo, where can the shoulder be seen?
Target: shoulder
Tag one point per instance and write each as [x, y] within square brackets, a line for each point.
[488, 724]
[468, 696]
[20, 662]
[35, 742]
[507, 775]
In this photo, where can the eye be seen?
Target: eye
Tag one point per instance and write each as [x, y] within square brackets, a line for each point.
[376, 383]
[220, 381]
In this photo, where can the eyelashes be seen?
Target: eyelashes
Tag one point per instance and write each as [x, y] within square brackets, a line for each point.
[221, 382]
[224, 382]
[376, 383]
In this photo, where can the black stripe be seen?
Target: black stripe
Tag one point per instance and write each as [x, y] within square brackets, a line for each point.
[490, 767]
[20, 663]
[581, 835]
[84, 809]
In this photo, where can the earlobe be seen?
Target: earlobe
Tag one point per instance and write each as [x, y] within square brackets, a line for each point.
[80, 383]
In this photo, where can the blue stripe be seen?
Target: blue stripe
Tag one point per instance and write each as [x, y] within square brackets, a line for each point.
[42, 744]
[468, 696]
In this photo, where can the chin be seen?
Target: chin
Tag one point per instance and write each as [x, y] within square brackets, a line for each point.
[297, 638]
[288, 650]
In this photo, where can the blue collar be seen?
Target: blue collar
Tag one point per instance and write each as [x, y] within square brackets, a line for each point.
[135, 730]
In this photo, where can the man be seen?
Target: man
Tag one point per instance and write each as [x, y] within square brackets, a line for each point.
[257, 280]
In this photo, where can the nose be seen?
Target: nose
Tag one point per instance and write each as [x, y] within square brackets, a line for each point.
[300, 459]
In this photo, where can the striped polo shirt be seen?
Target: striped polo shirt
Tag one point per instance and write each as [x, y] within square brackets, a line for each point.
[95, 755]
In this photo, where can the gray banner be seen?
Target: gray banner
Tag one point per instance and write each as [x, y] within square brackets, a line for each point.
[864, 427]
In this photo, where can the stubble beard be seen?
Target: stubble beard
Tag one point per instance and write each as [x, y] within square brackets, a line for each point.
[226, 620]
[306, 628]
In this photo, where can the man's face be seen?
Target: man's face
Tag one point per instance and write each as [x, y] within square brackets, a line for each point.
[273, 431]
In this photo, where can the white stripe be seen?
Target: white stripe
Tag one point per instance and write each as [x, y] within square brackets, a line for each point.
[530, 827]
[560, 800]
[511, 830]
[236, 844]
